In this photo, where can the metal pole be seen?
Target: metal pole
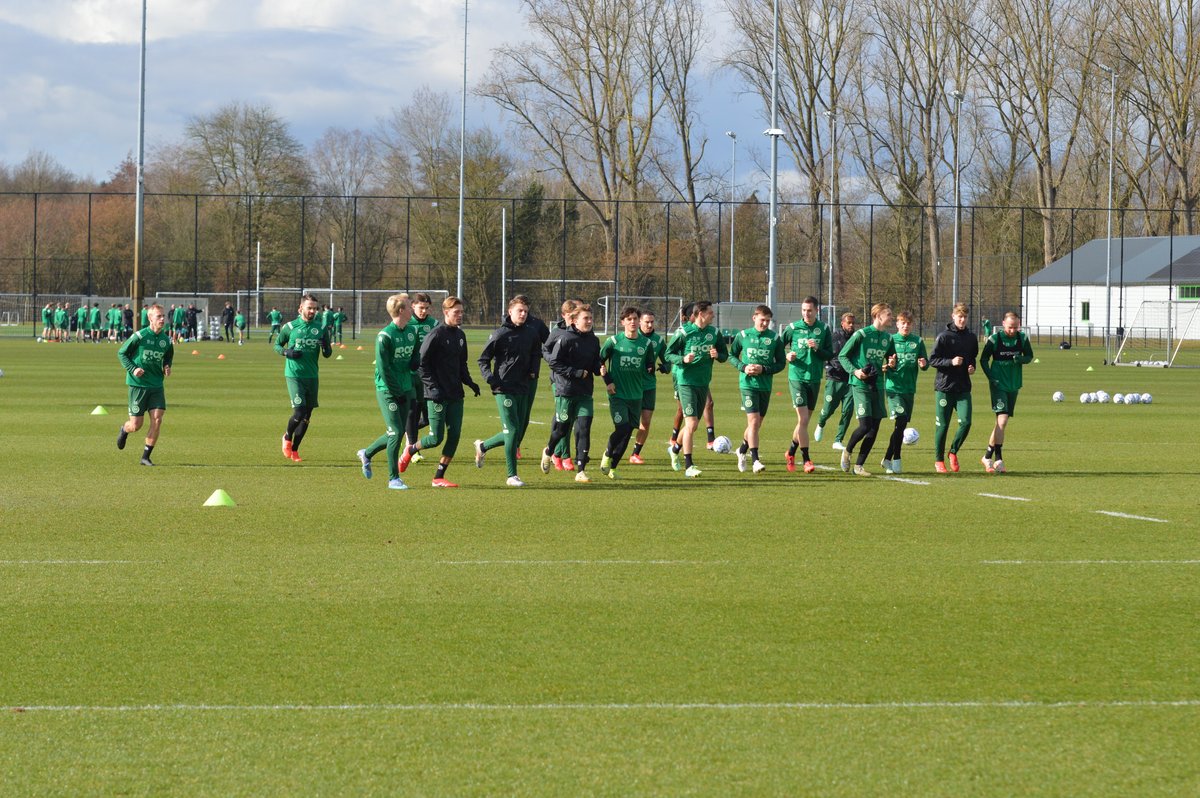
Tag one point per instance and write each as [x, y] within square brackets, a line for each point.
[832, 117]
[774, 132]
[140, 201]
[732, 205]
[331, 245]
[462, 156]
[257, 282]
[958, 98]
[503, 260]
[1112, 134]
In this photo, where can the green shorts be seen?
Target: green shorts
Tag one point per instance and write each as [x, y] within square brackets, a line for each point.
[900, 406]
[755, 401]
[302, 391]
[1003, 402]
[624, 411]
[692, 399]
[143, 399]
[804, 394]
[569, 407]
[868, 402]
[648, 397]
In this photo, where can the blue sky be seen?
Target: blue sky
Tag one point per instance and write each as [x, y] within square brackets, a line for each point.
[70, 78]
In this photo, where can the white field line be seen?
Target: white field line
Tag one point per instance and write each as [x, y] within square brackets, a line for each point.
[69, 562]
[1132, 517]
[655, 706]
[1006, 498]
[1090, 562]
[581, 562]
[906, 481]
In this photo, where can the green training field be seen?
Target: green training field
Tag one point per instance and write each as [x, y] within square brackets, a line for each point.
[783, 634]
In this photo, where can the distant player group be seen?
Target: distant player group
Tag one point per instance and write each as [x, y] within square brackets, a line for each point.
[421, 368]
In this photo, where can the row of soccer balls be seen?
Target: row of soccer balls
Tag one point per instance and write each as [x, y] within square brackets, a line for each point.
[1102, 397]
[722, 444]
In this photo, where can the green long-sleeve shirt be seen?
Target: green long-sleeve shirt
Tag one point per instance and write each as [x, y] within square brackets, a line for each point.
[308, 338]
[626, 361]
[1002, 358]
[695, 340]
[867, 346]
[909, 349]
[395, 359]
[148, 351]
[808, 363]
[758, 348]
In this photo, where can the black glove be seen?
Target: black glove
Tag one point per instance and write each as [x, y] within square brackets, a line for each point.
[493, 381]
[293, 354]
[870, 373]
[475, 388]
[664, 368]
[326, 349]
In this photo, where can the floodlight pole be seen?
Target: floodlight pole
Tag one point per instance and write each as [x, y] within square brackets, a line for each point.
[958, 98]
[732, 205]
[774, 132]
[1112, 135]
[139, 225]
[832, 117]
[462, 156]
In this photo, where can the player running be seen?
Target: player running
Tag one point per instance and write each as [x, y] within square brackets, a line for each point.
[911, 358]
[395, 347]
[507, 363]
[275, 319]
[649, 384]
[1004, 354]
[146, 358]
[866, 357]
[627, 358]
[692, 351]
[418, 410]
[574, 360]
[757, 353]
[443, 368]
[953, 356]
[561, 456]
[300, 341]
[809, 346]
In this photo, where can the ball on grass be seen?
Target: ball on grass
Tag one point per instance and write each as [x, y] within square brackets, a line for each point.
[911, 436]
[722, 445]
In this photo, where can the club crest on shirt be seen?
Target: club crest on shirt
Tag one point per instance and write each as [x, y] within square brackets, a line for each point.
[162, 344]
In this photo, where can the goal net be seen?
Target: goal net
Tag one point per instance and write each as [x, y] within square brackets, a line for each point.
[606, 311]
[365, 309]
[1162, 333]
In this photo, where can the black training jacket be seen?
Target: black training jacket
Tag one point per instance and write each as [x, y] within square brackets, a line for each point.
[952, 343]
[509, 358]
[443, 364]
[574, 359]
[833, 368]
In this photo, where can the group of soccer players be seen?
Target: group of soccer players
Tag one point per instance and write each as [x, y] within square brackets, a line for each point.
[84, 324]
[421, 368]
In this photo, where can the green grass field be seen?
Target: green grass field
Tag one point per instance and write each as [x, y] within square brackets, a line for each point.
[782, 634]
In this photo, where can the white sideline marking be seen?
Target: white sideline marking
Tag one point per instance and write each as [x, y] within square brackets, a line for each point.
[1186, 703]
[1006, 498]
[1132, 517]
[1090, 562]
[581, 562]
[68, 562]
[906, 481]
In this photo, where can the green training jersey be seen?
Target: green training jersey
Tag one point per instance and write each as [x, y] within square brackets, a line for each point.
[1003, 357]
[307, 338]
[47, 316]
[909, 349]
[148, 351]
[759, 348]
[691, 339]
[275, 318]
[339, 319]
[60, 318]
[655, 342]
[239, 321]
[626, 361]
[394, 359]
[145, 316]
[808, 363]
[95, 319]
[422, 327]
[866, 346]
[81, 317]
[179, 317]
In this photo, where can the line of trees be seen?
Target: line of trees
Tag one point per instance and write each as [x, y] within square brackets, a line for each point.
[602, 101]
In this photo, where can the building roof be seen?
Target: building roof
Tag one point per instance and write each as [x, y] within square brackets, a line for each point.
[1153, 260]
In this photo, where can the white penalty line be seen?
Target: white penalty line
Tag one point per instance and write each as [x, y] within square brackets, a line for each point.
[70, 562]
[581, 562]
[906, 481]
[1132, 517]
[655, 706]
[1090, 562]
[1005, 498]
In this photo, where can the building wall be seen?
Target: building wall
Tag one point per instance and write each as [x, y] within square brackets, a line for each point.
[1058, 306]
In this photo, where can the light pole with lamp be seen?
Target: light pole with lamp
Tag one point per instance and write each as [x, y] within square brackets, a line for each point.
[958, 98]
[832, 117]
[732, 205]
[462, 157]
[774, 132]
[1112, 135]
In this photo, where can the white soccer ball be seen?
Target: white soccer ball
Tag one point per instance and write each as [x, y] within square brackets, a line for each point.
[1133, 398]
[1058, 396]
[39, 339]
[1102, 397]
[722, 445]
[1085, 398]
[1147, 398]
[2, 374]
[1093, 398]
[1118, 398]
[911, 435]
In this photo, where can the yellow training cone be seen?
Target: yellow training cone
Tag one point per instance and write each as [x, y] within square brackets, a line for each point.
[360, 349]
[1089, 368]
[99, 411]
[339, 357]
[219, 499]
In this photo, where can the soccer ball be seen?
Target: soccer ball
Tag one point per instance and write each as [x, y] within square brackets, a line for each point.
[1118, 398]
[1085, 398]
[1103, 397]
[1133, 398]
[239, 343]
[1058, 396]
[722, 445]
[911, 436]
[1146, 398]
[1093, 398]
[2, 374]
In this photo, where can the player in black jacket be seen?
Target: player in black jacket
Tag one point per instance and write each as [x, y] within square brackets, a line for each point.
[574, 360]
[953, 356]
[507, 363]
[561, 456]
[443, 369]
[837, 384]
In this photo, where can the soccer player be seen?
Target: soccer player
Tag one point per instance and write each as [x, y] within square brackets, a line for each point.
[395, 346]
[239, 321]
[543, 335]
[561, 457]
[94, 322]
[193, 322]
[300, 341]
[757, 353]
[686, 314]
[953, 356]
[1004, 354]
[146, 358]
[179, 323]
[227, 316]
[868, 354]
[627, 358]
[60, 322]
[443, 368]
[339, 318]
[649, 384]
[47, 321]
[901, 386]
[275, 319]
[692, 351]
[418, 410]
[81, 323]
[574, 359]
[507, 363]
[809, 346]
[837, 384]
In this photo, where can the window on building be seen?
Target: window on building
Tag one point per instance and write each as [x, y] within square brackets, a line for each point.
[1189, 292]
[1085, 311]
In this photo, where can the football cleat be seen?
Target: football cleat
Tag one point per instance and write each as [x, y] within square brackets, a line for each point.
[675, 464]
[846, 460]
[582, 477]
[837, 446]
[859, 471]
[636, 459]
[146, 461]
[365, 462]
[790, 459]
[294, 456]
[999, 466]
[818, 433]
[418, 457]
[122, 435]
[514, 482]
[406, 458]
[568, 464]
[940, 467]
[809, 466]
[442, 482]
[759, 467]
[558, 462]
[692, 472]
[952, 461]
[605, 464]
[287, 448]
[887, 465]
[479, 454]
[397, 484]
[742, 457]
[709, 445]
[547, 460]
[612, 474]
[895, 466]
[988, 465]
